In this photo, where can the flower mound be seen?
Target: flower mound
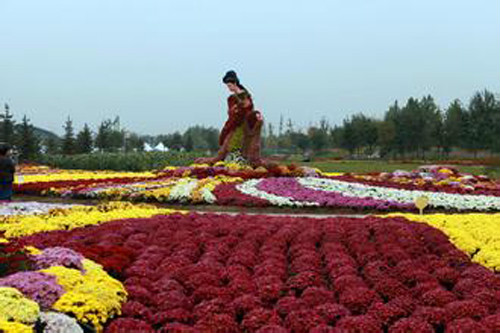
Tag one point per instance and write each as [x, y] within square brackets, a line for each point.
[262, 274]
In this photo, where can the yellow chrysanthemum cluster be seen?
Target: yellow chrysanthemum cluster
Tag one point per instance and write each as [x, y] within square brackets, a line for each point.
[12, 327]
[93, 296]
[16, 308]
[78, 216]
[162, 193]
[233, 166]
[476, 234]
[67, 175]
[205, 187]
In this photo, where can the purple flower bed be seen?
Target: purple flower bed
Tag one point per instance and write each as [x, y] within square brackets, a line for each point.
[58, 256]
[39, 287]
[291, 188]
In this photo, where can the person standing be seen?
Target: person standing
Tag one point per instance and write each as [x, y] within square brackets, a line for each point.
[7, 171]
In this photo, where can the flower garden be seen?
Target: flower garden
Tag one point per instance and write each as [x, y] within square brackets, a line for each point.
[282, 186]
[119, 261]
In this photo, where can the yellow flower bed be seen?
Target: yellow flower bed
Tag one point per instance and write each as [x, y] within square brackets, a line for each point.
[92, 297]
[329, 174]
[67, 175]
[475, 234]
[16, 308]
[78, 216]
[203, 191]
[11, 327]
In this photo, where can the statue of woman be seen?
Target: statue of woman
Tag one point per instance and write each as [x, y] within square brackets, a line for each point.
[240, 136]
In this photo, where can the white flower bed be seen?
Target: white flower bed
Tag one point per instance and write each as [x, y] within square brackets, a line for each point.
[436, 199]
[28, 208]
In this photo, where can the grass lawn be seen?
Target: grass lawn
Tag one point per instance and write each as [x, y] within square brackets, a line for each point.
[380, 166]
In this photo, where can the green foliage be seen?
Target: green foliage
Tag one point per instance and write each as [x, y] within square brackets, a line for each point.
[52, 145]
[110, 136]
[7, 127]
[84, 141]
[134, 161]
[27, 141]
[68, 142]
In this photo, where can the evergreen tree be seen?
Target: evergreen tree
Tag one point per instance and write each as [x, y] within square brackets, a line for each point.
[52, 145]
[102, 140]
[454, 126]
[348, 138]
[189, 144]
[318, 137]
[84, 142]
[7, 127]
[68, 142]
[480, 121]
[27, 141]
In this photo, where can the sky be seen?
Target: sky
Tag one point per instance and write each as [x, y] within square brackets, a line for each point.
[159, 64]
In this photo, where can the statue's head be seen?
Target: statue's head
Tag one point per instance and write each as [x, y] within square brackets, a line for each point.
[232, 82]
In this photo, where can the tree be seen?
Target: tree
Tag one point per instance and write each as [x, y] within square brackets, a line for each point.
[432, 124]
[318, 137]
[52, 145]
[480, 121]
[7, 128]
[27, 141]
[495, 143]
[336, 136]
[84, 141]
[454, 125]
[348, 138]
[280, 129]
[386, 133]
[189, 144]
[394, 119]
[212, 139]
[135, 142]
[364, 132]
[271, 137]
[176, 141]
[102, 139]
[300, 140]
[68, 142]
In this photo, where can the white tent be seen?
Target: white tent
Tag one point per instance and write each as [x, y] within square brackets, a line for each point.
[147, 147]
[161, 147]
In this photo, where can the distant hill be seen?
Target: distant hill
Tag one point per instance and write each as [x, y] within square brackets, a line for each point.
[43, 134]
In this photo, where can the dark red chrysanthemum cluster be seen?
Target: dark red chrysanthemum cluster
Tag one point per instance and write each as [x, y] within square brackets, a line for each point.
[212, 273]
[13, 259]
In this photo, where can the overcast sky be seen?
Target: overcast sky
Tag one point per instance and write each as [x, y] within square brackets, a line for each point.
[159, 64]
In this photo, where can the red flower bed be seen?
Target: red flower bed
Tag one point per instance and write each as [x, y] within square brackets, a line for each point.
[75, 185]
[13, 259]
[214, 273]
[228, 195]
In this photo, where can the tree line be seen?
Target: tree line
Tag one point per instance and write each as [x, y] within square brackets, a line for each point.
[412, 129]
[109, 137]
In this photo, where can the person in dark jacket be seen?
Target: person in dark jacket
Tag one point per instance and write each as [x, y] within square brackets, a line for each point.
[7, 171]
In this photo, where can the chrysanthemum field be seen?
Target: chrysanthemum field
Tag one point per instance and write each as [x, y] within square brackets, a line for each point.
[121, 261]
